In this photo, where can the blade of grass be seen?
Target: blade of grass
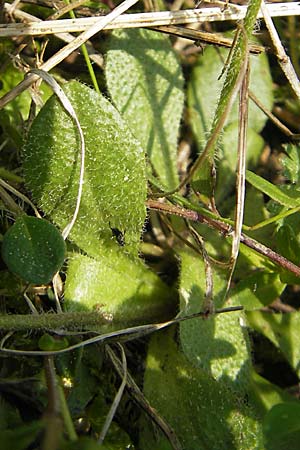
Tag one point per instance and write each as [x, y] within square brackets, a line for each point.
[86, 57]
[271, 190]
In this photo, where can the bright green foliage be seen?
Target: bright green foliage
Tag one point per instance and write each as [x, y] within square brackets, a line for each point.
[288, 245]
[114, 189]
[20, 438]
[282, 330]
[145, 82]
[202, 103]
[282, 427]
[199, 375]
[212, 343]
[33, 249]
[115, 285]
[19, 107]
[204, 413]
[291, 164]
[271, 190]
[267, 394]
[50, 343]
[257, 290]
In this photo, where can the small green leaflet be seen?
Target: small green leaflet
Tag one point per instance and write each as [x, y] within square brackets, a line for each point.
[33, 249]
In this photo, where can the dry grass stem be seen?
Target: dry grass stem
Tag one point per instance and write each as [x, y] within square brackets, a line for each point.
[283, 60]
[67, 50]
[153, 19]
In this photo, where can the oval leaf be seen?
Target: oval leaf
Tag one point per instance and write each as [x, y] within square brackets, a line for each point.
[204, 413]
[123, 288]
[145, 82]
[114, 189]
[202, 101]
[33, 249]
[219, 353]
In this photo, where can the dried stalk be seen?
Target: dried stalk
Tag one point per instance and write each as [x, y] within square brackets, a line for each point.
[153, 19]
[54, 60]
[283, 60]
[226, 230]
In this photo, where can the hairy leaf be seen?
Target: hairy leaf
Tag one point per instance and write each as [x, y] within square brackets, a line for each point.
[218, 344]
[145, 82]
[114, 189]
[205, 106]
[204, 413]
[117, 285]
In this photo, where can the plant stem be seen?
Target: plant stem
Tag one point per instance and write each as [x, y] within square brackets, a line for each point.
[81, 321]
[87, 59]
[69, 426]
[53, 420]
[227, 231]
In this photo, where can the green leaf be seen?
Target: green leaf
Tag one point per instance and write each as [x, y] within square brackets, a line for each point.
[21, 437]
[282, 427]
[227, 158]
[202, 101]
[224, 350]
[18, 108]
[291, 163]
[267, 394]
[33, 249]
[207, 107]
[288, 245]
[257, 290]
[50, 343]
[145, 82]
[271, 190]
[117, 285]
[204, 413]
[114, 189]
[282, 330]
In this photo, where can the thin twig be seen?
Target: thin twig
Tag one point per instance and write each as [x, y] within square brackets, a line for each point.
[114, 336]
[226, 230]
[53, 428]
[208, 304]
[204, 37]
[271, 116]
[142, 401]
[20, 195]
[241, 169]
[54, 60]
[117, 399]
[283, 59]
